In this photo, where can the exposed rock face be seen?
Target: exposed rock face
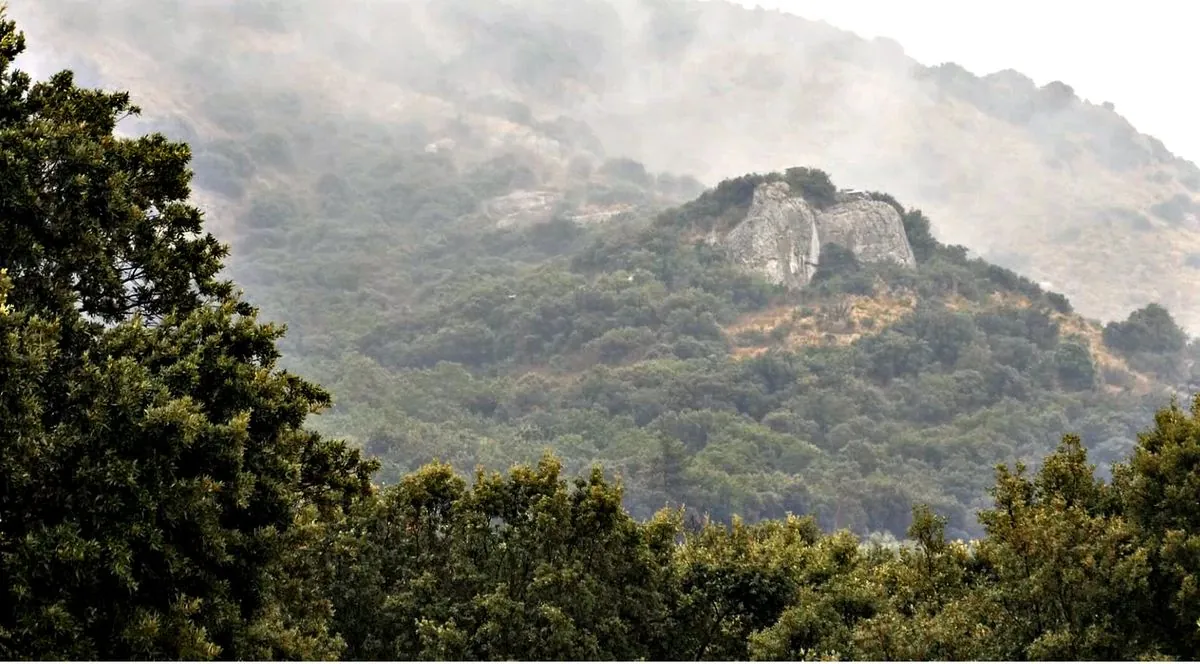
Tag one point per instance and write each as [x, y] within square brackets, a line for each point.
[524, 209]
[520, 209]
[778, 237]
[872, 229]
[598, 213]
[782, 234]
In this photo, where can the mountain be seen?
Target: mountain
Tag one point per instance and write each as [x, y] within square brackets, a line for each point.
[477, 220]
[672, 359]
[1061, 189]
[774, 345]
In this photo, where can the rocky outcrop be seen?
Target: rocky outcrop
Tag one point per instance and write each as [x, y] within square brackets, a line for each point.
[872, 230]
[782, 234]
[778, 239]
[594, 214]
[521, 209]
[524, 209]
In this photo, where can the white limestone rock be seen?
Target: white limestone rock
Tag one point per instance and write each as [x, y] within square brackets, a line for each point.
[782, 234]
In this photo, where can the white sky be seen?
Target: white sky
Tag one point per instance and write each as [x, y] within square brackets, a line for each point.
[1134, 54]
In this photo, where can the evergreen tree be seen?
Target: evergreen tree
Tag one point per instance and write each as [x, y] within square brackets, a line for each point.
[159, 497]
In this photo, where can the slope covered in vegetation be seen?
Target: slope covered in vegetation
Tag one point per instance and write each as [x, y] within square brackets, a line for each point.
[1058, 188]
[446, 336]
[646, 349]
[161, 498]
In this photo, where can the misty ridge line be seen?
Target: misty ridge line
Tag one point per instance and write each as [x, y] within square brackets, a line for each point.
[475, 248]
[1032, 178]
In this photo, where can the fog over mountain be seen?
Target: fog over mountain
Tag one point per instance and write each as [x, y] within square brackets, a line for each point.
[615, 329]
[1034, 178]
[1047, 42]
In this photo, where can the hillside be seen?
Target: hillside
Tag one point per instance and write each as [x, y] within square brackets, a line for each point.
[706, 89]
[873, 388]
[773, 347]
[479, 279]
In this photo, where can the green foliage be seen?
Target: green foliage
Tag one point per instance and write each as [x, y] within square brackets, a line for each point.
[105, 229]
[840, 272]
[1155, 486]
[812, 184]
[726, 204]
[917, 229]
[1076, 371]
[173, 475]
[620, 342]
[836, 261]
[523, 567]
[159, 497]
[532, 567]
[1149, 329]
[852, 434]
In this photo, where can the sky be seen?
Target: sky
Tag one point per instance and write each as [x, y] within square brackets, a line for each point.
[1133, 54]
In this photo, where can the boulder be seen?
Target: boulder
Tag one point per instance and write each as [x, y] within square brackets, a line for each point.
[782, 234]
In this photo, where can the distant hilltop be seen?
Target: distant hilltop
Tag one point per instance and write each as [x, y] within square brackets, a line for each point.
[1033, 178]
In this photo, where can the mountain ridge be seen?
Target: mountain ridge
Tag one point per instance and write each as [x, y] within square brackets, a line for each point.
[763, 89]
[357, 202]
[166, 497]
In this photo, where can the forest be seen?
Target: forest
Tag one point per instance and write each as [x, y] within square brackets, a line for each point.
[563, 442]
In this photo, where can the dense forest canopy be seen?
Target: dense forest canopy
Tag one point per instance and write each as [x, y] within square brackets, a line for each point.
[732, 465]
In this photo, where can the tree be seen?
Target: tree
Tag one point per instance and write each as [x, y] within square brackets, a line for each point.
[1076, 371]
[835, 261]
[159, 497]
[89, 220]
[1157, 489]
[1067, 575]
[159, 510]
[920, 238]
[670, 467]
[813, 184]
[520, 567]
[1150, 329]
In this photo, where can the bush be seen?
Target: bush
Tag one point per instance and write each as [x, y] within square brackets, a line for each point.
[1150, 329]
[1075, 368]
[813, 184]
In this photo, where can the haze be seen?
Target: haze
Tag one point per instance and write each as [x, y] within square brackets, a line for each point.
[1027, 176]
[1139, 59]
